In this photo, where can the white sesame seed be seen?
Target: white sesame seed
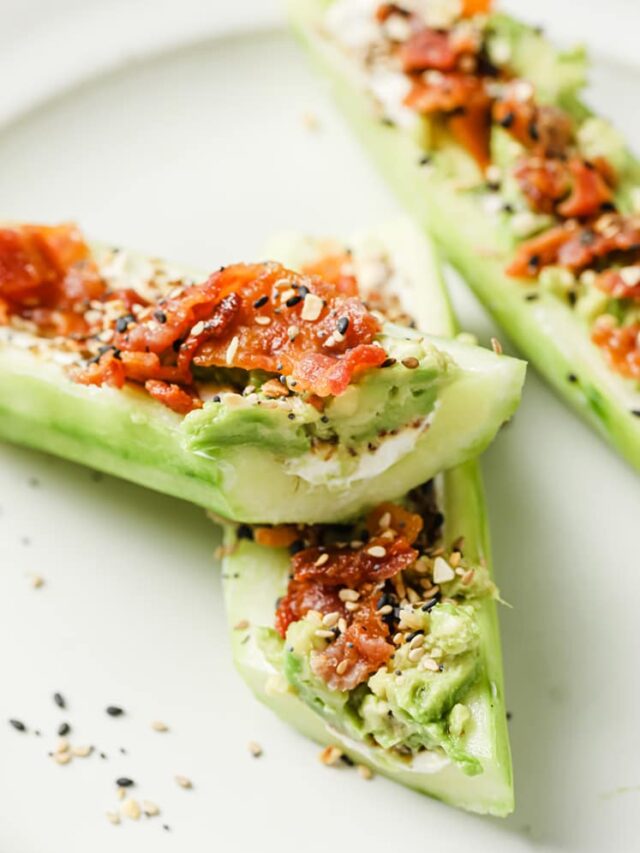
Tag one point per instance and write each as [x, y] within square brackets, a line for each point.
[113, 817]
[254, 748]
[198, 329]
[121, 793]
[81, 751]
[415, 655]
[62, 745]
[325, 635]
[232, 349]
[442, 571]
[429, 663]
[331, 619]
[342, 667]
[468, 577]
[385, 520]
[311, 307]
[348, 595]
[496, 346]
[365, 772]
[37, 581]
[159, 726]
[184, 782]
[150, 809]
[263, 321]
[242, 625]
[131, 809]
[385, 610]
[342, 625]
[398, 638]
[293, 332]
[62, 757]
[417, 641]
[322, 559]
[351, 606]
[377, 551]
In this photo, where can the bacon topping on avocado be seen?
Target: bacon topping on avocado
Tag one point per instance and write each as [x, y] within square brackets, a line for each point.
[315, 334]
[347, 580]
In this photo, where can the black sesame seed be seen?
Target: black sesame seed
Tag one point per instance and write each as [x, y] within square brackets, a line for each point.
[114, 711]
[297, 545]
[216, 398]
[261, 301]
[124, 782]
[346, 760]
[531, 297]
[508, 208]
[534, 261]
[507, 120]
[607, 206]
[103, 755]
[424, 160]
[324, 419]
[166, 827]
[303, 290]
[388, 362]
[123, 322]
[413, 634]
[293, 300]
[572, 377]
[122, 750]
[291, 416]
[244, 531]
[160, 316]
[387, 122]
[635, 413]
[18, 725]
[428, 606]
[64, 729]
[343, 325]
[534, 133]
[509, 715]
[58, 698]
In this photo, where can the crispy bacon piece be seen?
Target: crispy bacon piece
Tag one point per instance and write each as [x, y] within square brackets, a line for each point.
[543, 129]
[334, 269]
[573, 188]
[318, 575]
[430, 49]
[45, 273]
[464, 101]
[361, 650]
[578, 247]
[621, 283]
[314, 358]
[621, 345]
[178, 399]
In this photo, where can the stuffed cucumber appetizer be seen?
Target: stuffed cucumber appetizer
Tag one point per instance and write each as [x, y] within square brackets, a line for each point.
[379, 639]
[476, 121]
[263, 394]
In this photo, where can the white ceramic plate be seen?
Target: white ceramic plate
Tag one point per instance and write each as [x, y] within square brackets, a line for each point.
[199, 154]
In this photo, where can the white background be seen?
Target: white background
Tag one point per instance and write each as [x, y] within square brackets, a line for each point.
[199, 154]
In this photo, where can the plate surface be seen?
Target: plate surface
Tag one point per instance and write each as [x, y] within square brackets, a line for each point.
[199, 154]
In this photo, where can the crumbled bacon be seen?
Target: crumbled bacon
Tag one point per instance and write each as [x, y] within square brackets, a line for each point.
[180, 400]
[568, 188]
[46, 272]
[620, 283]
[543, 129]
[318, 575]
[578, 247]
[621, 345]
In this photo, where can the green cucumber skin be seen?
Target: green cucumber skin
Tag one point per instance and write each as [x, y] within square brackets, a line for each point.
[463, 503]
[460, 229]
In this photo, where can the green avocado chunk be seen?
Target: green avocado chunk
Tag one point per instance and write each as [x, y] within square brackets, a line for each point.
[439, 730]
[246, 456]
[446, 194]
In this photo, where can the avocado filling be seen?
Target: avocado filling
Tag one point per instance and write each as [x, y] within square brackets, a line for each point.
[559, 182]
[379, 630]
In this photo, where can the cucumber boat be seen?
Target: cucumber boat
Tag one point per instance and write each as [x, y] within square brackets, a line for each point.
[260, 393]
[477, 123]
[379, 639]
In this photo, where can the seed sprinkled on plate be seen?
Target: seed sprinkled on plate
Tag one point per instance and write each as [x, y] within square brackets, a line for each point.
[331, 619]
[325, 635]
[37, 581]
[330, 755]
[59, 699]
[131, 809]
[124, 782]
[365, 772]
[385, 521]
[63, 729]
[121, 793]
[81, 751]
[114, 711]
[18, 725]
[159, 726]
[113, 817]
[183, 781]
[232, 349]
[263, 321]
[322, 559]
[62, 757]
[342, 667]
[242, 625]
[62, 745]
[254, 748]
[150, 809]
